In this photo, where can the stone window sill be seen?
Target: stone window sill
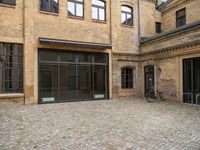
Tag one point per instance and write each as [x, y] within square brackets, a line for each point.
[98, 21]
[127, 26]
[76, 17]
[13, 95]
[48, 13]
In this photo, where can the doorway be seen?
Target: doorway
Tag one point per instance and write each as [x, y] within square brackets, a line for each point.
[149, 81]
[191, 81]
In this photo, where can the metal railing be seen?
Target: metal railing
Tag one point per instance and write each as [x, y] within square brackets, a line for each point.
[197, 99]
[189, 94]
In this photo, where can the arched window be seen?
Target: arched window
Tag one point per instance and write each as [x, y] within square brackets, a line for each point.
[126, 15]
[98, 10]
[75, 8]
[127, 78]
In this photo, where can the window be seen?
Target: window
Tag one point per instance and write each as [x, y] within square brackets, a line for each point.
[98, 10]
[180, 18]
[127, 15]
[158, 27]
[11, 68]
[49, 5]
[75, 8]
[127, 78]
[9, 2]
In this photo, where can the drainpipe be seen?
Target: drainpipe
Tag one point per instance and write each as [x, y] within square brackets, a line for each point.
[24, 51]
[139, 35]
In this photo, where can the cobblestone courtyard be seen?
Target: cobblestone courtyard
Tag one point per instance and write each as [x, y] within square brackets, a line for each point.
[122, 124]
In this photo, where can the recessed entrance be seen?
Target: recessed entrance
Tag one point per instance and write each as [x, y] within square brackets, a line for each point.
[69, 76]
[191, 81]
[149, 81]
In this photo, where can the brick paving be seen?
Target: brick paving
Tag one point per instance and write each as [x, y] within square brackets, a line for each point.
[121, 124]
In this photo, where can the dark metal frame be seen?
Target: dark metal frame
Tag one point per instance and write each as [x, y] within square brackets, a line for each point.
[127, 13]
[74, 63]
[49, 10]
[76, 2]
[180, 17]
[100, 7]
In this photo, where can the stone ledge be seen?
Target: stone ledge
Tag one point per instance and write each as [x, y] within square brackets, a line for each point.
[14, 95]
[12, 98]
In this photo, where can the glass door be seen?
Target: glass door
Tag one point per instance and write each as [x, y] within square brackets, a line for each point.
[100, 82]
[85, 88]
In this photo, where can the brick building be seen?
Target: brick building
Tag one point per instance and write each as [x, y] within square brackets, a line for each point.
[60, 51]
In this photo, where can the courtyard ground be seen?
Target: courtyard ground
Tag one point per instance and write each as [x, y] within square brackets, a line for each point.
[120, 124]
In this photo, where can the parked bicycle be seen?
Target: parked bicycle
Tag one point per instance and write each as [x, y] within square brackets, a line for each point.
[150, 96]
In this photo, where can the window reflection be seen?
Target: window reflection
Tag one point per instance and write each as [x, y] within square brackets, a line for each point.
[98, 10]
[75, 8]
[49, 5]
[127, 15]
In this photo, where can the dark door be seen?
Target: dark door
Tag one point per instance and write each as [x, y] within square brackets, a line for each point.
[149, 80]
[191, 80]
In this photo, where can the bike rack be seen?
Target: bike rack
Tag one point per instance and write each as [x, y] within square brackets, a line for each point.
[188, 93]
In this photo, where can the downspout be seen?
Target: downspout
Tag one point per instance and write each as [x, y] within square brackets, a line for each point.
[139, 36]
[24, 50]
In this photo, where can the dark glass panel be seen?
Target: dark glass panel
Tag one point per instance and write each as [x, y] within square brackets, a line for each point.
[49, 5]
[48, 56]
[100, 82]
[48, 83]
[84, 58]
[67, 57]
[67, 82]
[100, 58]
[85, 82]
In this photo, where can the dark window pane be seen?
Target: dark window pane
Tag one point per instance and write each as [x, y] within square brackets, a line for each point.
[85, 58]
[48, 56]
[49, 5]
[100, 59]
[10, 2]
[127, 78]
[180, 17]
[158, 27]
[67, 57]
[11, 68]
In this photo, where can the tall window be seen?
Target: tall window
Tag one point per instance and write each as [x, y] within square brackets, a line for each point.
[49, 5]
[127, 78]
[98, 10]
[158, 27]
[127, 15]
[11, 68]
[180, 17]
[76, 8]
[9, 2]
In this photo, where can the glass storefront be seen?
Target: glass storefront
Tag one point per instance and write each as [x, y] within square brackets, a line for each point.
[72, 76]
